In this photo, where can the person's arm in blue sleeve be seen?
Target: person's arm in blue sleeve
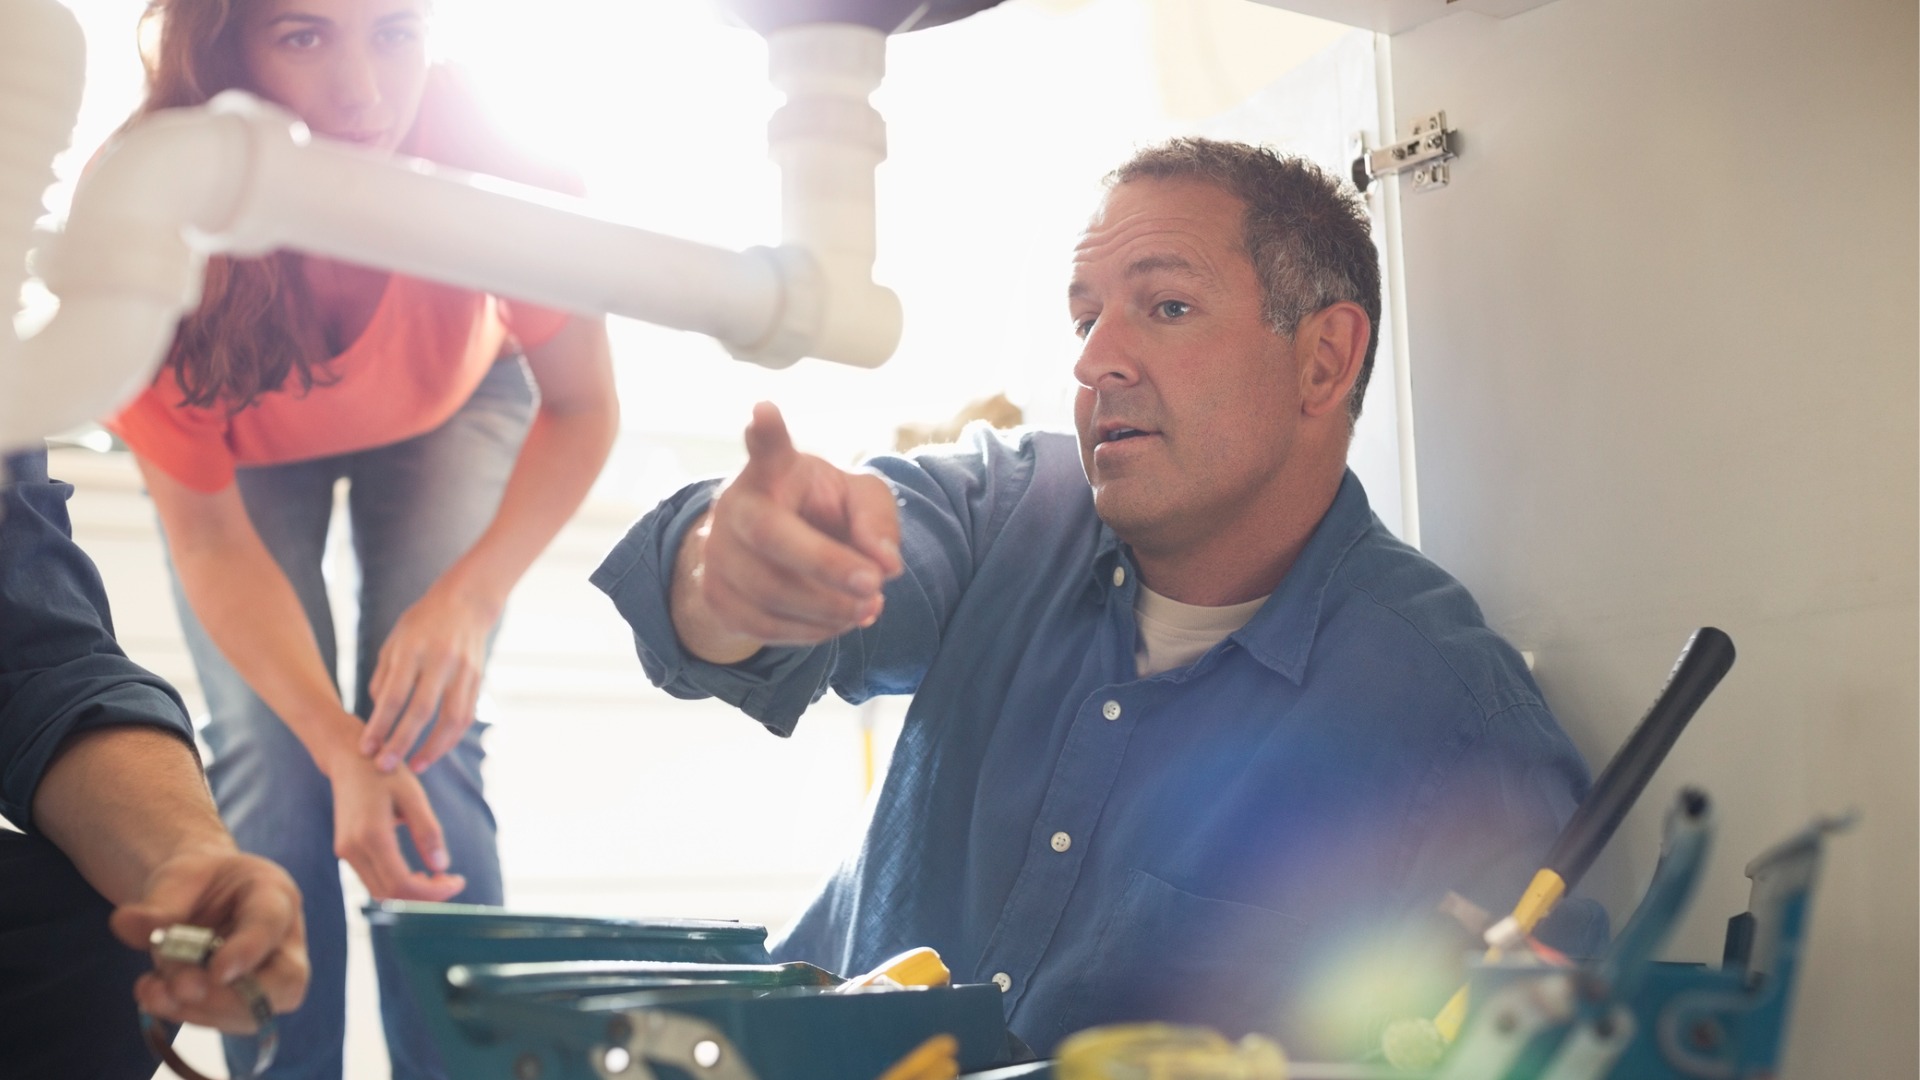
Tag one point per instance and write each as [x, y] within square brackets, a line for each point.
[96, 756]
[1480, 827]
[1491, 813]
[1493, 818]
[61, 672]
[818, 578]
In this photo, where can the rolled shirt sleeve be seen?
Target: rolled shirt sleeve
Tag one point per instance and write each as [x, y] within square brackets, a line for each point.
[61, 672]
[774, 686]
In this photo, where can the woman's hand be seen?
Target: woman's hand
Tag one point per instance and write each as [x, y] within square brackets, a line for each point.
[437, 651]
[249, 902]
[368, 806]
[433, 658]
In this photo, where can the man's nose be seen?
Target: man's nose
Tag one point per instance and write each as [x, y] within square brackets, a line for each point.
[1106, 355]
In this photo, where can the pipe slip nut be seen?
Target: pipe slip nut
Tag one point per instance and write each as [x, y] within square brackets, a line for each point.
[796, 325]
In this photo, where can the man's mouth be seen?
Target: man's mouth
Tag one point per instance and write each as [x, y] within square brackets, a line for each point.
[1118, 434]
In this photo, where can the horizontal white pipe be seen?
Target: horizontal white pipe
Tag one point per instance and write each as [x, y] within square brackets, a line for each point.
[241, 176]
[483, 233]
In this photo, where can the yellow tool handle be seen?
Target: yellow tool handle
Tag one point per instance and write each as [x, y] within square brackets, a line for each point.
[915, 967]
[1542, 894]
[1151, 1051]
[935, 1059]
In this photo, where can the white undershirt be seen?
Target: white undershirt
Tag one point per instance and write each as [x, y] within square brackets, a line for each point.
[1173, 634]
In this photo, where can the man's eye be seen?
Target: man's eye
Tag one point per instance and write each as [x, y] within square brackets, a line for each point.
[398, 35]
[1173, 309]
[1082, 327]
[301, 39]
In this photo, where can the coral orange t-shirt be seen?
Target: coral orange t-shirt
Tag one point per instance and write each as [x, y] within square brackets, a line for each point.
[422, 354]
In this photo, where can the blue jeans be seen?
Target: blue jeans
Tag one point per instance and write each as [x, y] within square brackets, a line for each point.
[415, 507]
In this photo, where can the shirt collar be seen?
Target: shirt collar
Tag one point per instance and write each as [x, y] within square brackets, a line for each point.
[1282, 633]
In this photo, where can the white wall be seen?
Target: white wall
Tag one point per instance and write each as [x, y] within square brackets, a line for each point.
[1663, 351]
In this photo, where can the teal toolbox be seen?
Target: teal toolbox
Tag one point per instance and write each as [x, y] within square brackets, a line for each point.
[547, 997]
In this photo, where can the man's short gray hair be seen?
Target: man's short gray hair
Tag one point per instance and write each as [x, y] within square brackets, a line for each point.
[1305, 231]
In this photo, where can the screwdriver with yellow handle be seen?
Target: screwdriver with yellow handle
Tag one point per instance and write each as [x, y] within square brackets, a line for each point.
[1704, 661]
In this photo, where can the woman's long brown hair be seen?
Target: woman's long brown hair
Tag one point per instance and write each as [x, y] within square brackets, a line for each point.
[255, 327]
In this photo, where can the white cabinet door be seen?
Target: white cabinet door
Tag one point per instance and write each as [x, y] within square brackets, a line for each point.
[1662, 339]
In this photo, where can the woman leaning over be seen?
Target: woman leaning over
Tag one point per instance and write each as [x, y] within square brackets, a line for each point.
[297, 373]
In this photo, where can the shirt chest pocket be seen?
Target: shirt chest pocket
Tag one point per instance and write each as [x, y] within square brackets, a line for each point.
[1168, 954]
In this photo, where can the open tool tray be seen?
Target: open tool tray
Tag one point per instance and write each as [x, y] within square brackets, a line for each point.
[1630, 1017]
[533, 997]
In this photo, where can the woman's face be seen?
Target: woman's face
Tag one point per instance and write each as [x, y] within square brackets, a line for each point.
[351, 69]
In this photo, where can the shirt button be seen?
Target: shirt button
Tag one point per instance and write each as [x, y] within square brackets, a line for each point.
[1003, 981]
[1111, 710]
[1061, 841]
[1119, 576]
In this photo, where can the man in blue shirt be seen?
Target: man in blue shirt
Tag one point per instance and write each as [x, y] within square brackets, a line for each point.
[97, 766]
[1194, 737]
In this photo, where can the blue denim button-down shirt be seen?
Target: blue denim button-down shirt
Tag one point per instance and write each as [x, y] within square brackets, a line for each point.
[1218, 843]
[60, 670]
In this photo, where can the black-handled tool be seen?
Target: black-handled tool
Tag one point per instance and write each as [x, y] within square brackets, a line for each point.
[1703, 663]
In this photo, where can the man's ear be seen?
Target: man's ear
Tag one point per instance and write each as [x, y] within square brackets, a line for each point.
[1331, 344]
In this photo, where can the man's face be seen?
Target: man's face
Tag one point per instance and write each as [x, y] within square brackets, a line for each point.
[1189, 401]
